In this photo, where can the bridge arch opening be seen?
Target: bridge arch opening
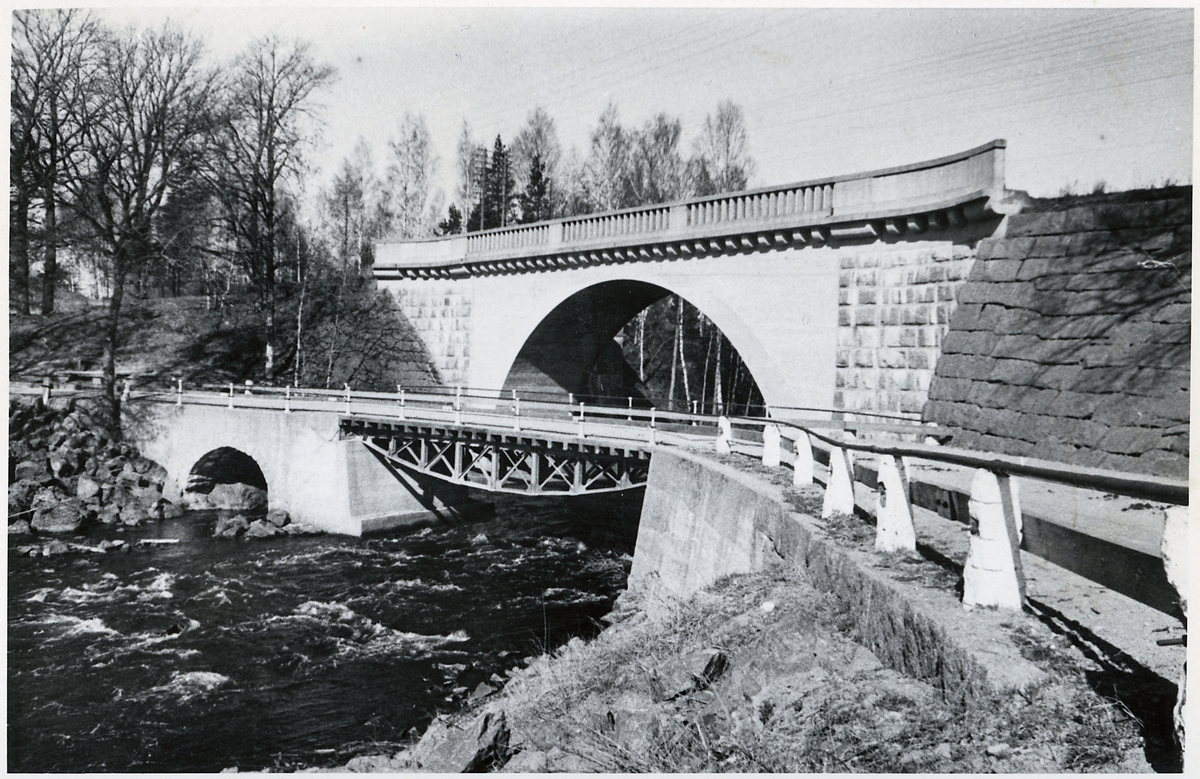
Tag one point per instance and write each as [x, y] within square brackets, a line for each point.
[634, 339]
[226, 466]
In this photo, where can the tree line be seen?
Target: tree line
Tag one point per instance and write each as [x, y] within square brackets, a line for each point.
[137, 158]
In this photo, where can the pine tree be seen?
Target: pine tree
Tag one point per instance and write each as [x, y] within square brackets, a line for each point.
[453, 223]
[499, 193]
[535, 200]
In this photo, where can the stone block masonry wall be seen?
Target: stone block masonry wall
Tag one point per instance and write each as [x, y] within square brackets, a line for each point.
[894, 308]
[441, 315]
[1072, 336]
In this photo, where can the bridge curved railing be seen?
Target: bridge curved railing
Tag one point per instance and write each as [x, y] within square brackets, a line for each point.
[932, 193]
[801, 439]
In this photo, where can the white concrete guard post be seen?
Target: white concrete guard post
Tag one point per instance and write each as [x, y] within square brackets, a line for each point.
[839, 492]
[770, 455]
[893, 517]
[993, 575]
[802, 463]
[724, 436]
[1175, 545]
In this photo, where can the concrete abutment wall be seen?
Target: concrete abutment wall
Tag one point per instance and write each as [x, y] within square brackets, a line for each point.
[702, 520]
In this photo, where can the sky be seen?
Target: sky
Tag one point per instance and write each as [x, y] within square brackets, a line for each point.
[1084, 97]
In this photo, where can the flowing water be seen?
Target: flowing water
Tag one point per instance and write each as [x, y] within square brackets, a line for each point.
[213, 653]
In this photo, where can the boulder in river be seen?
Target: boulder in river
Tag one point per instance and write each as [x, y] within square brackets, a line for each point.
[231, 526]
[238, 497]
[64, 517]
[278, 517]
[260, 528]
[134, 513]
[20, 527]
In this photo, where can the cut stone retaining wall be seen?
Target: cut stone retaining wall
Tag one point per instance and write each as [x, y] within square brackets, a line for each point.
[894, 308]
[1072, 334]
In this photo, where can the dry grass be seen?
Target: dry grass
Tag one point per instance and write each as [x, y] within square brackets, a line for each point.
[589, 706]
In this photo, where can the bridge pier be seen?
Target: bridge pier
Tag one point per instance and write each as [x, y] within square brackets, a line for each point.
[319, 478]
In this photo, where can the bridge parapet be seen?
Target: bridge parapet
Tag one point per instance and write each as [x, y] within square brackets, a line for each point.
[931, 195]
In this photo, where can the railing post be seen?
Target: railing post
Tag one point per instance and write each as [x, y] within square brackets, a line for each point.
[694, 402]
[581, 435]
[403, 414]
[724, 436]
[570, 398]
[458, 404]
[629, 417]
[47, 383]
[347, 386]
[231, 394]
[249, 384]
[993, 575]
[652, 431]
[770, 453]
[178, 390]
[893, 517]
[287, 399]
[802, 463]
[839, 492]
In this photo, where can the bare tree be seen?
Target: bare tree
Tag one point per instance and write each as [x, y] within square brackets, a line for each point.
[537, 141]
[466, 154]
[605, 180]
[721, 162]
[142, 134]
[269, 124]
[52, 68]
[656, 169]
[410, 170]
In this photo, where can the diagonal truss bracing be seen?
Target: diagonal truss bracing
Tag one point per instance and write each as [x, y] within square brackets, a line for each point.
[505, 462]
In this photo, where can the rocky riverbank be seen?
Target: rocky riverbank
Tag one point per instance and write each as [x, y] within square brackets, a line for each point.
[762, 673]
[66, 470]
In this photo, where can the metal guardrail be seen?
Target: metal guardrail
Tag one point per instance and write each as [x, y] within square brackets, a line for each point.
[992, 571]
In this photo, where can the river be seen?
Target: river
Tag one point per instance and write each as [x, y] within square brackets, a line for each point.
[301, 651]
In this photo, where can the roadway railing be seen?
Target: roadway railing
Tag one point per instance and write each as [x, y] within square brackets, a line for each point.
[929, 194]
[896, 448]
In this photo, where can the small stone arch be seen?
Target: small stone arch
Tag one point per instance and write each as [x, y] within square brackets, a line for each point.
[226, 465]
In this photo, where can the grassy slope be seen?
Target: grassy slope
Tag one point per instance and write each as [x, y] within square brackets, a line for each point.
[800, 696]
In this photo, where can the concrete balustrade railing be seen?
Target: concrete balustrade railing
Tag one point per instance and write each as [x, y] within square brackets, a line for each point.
[932, 195]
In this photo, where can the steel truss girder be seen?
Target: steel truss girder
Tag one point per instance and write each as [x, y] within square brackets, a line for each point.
[526, 465]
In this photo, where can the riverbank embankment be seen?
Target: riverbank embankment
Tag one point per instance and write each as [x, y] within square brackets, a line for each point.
[829, 657]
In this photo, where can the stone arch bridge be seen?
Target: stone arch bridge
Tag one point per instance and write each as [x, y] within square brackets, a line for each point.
[835, 292]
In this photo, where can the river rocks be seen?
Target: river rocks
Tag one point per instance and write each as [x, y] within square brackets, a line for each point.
[63, 517]
[231, 526]
[70, 462]
[238, 497]
[86, 488]
[477, 747]
[20, 527]
[260, 528]
[278, 517]
[30, 470]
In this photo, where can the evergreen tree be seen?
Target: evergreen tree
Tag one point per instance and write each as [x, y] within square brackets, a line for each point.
[499, 195]
[535, 200]
[452, 224]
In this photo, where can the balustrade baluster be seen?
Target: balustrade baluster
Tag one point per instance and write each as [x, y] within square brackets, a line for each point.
[802, 463]
[839, 492]
[770, 452]
[724, 436]
[992, 575]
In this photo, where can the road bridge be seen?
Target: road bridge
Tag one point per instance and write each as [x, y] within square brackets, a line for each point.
[835, 292]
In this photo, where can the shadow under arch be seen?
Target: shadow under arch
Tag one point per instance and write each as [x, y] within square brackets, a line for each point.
[572, 348]
[225, 465]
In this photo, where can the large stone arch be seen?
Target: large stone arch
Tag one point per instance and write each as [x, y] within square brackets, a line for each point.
[569, 340]
[779, 311]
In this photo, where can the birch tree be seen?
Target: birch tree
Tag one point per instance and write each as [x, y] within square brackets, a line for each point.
[410, 170]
